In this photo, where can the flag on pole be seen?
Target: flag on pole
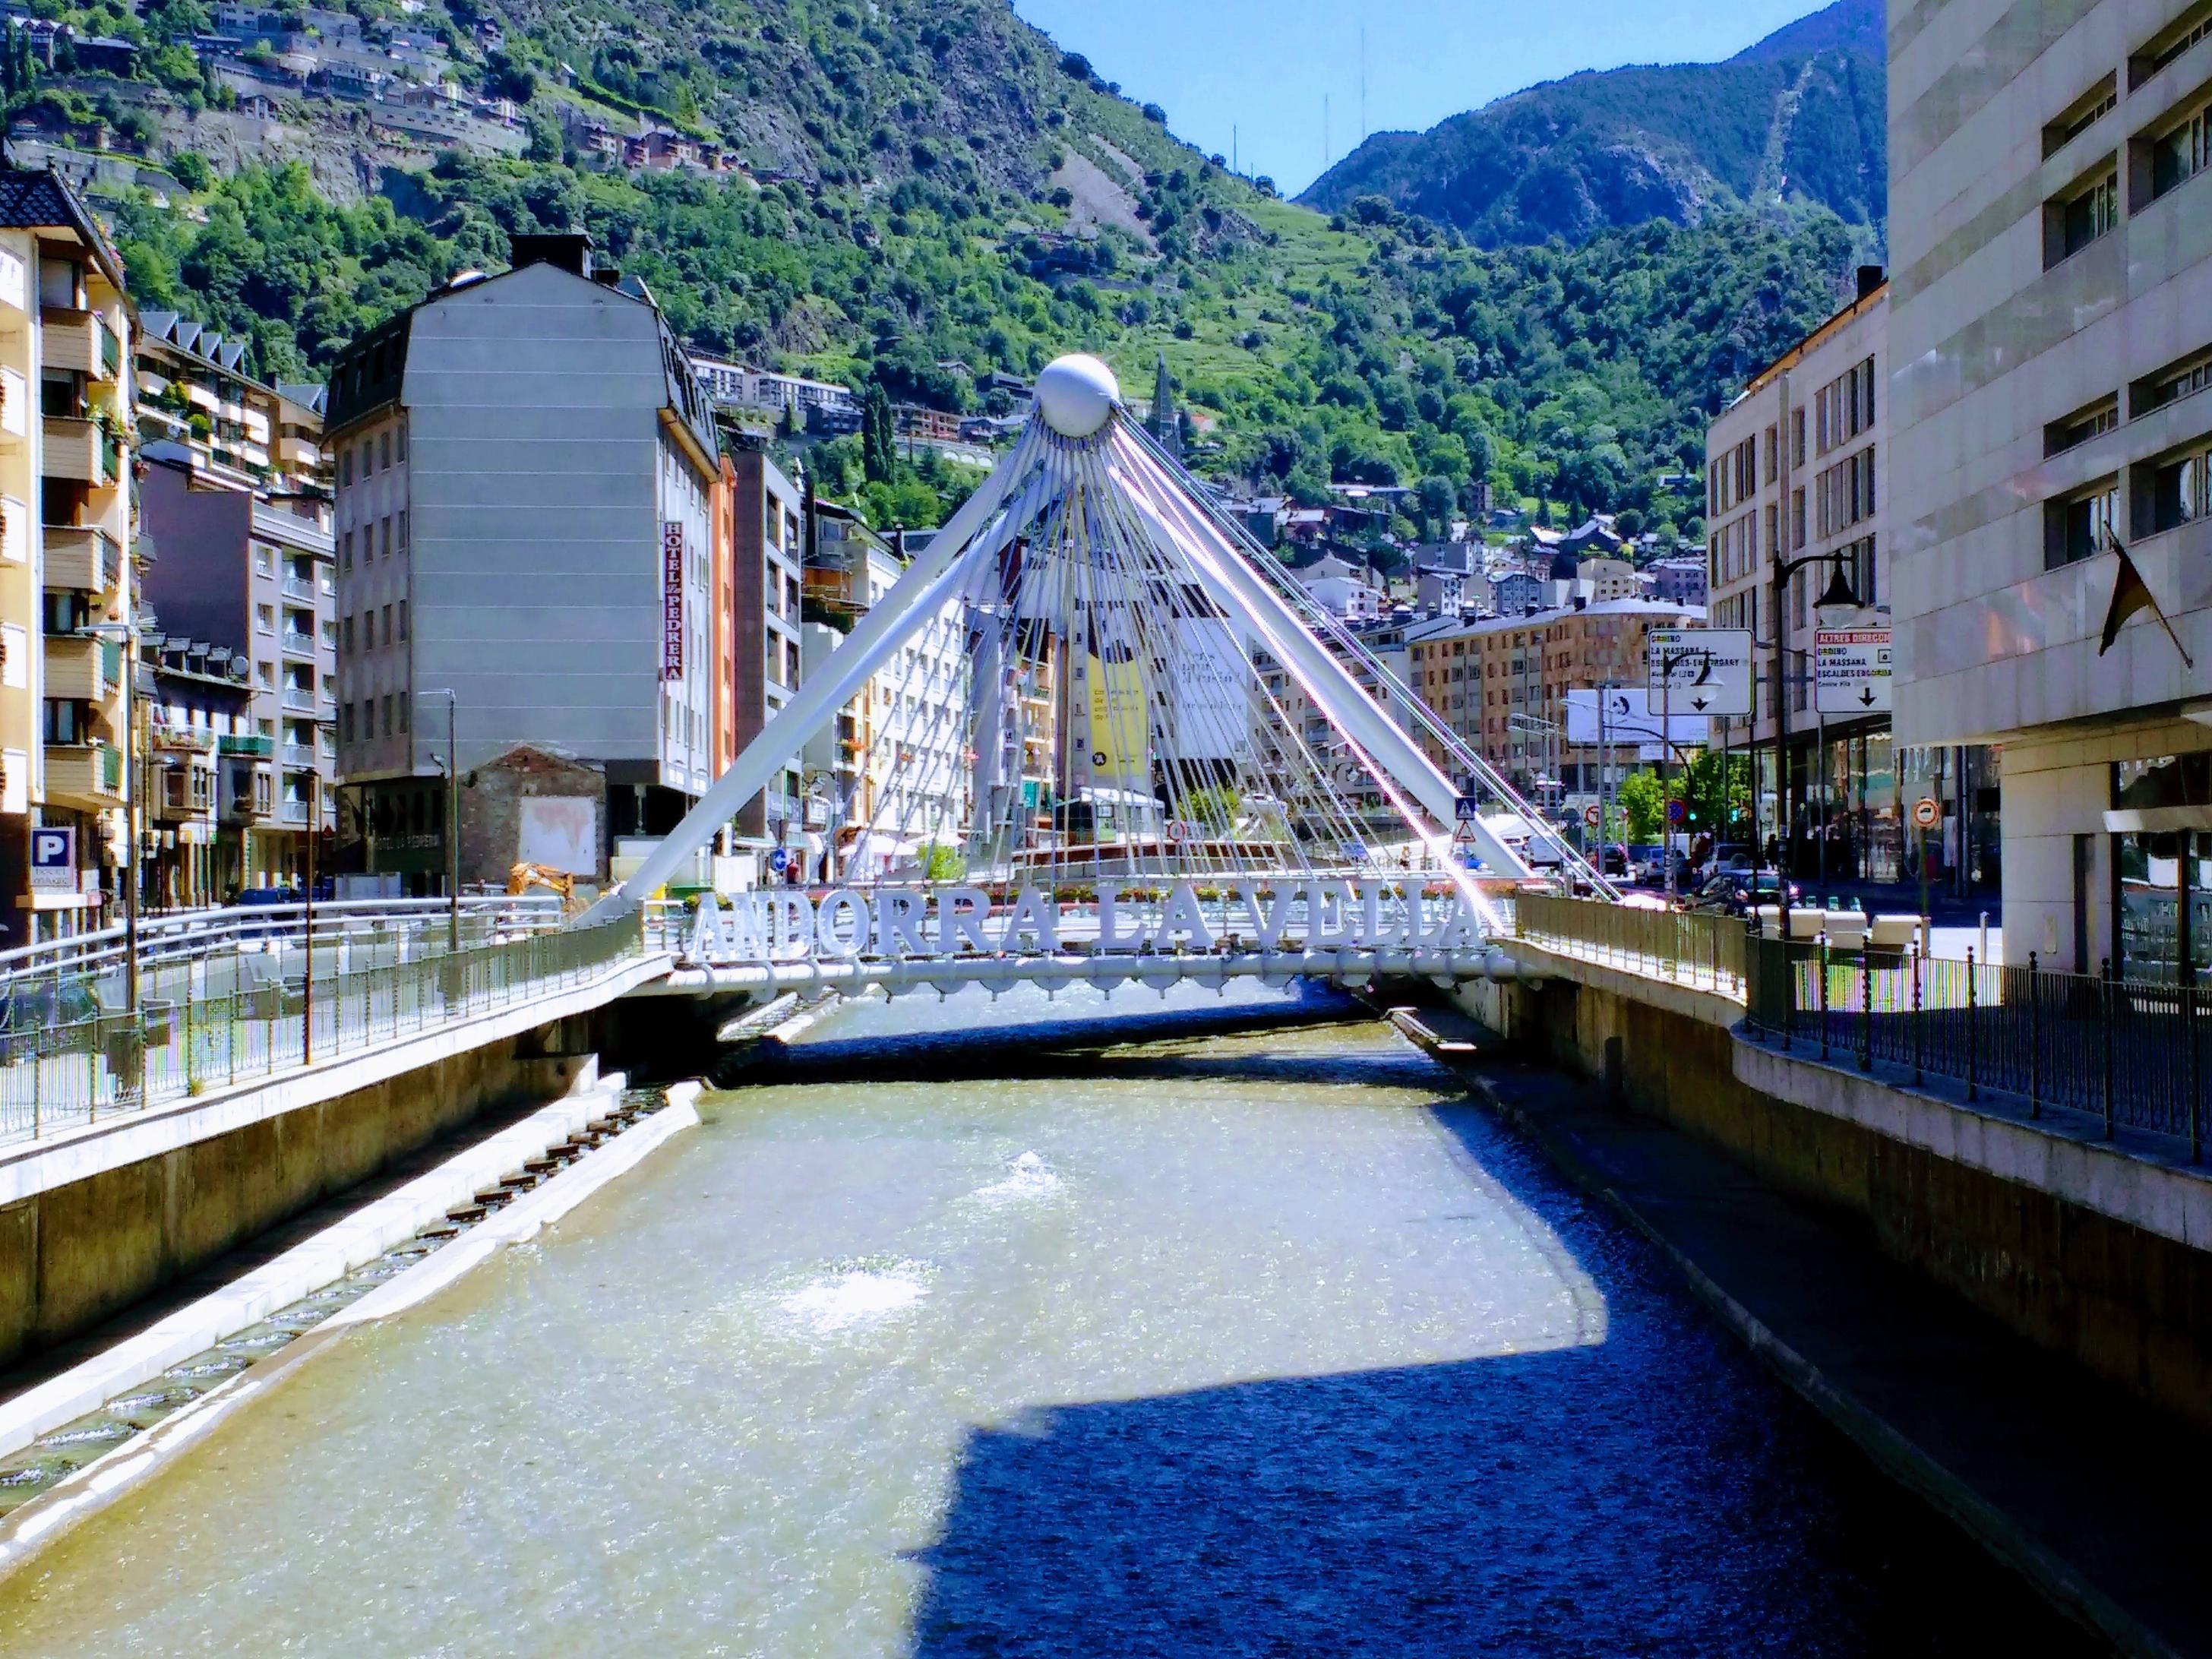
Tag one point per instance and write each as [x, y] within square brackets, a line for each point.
[2131, 594]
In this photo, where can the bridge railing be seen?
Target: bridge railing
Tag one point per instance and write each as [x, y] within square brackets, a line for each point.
[1705, 952]
[60, 1073]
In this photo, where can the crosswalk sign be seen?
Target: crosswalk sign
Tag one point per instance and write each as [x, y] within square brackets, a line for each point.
[1467, 809]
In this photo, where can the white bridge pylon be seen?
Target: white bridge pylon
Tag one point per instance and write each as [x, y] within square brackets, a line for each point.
[1085, 682]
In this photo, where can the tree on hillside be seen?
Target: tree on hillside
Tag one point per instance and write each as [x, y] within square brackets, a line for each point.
[879, 444]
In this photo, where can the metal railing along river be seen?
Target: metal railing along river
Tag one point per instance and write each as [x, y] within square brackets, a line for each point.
[2126, 1053]
[1705, 952]
[59, 1074]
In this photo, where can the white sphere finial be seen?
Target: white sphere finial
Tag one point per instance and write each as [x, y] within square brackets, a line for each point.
[1076, 394]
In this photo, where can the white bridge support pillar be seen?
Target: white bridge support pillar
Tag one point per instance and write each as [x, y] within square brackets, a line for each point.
[932, 579]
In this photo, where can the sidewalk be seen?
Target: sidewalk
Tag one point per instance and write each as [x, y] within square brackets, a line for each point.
[2087, 1490]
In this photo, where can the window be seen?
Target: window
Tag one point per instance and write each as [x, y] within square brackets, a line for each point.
[2072, 224]
[2182, 151]
[387, 624]
[1773, 464]
[265, 672]
[2083, 424]
[367, 456]
[345, 468]
[65, 721]
[264, 561]
[383, 459]
[1797, 518]
[2185, 31]
[2079, 527]
[402, 530]
[401, 433]
[345, 635]
[2178, 488]
[2084, 112]
[1796, 437]
[388, 716]
[345, 722]
[383, 536]
[403, 619]
[2175, 381]
[264, 619]
[402, 711]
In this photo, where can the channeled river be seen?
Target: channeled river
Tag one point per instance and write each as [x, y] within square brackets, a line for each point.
[1268, 1344]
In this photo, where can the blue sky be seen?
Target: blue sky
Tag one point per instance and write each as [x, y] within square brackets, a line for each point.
[1263, 66]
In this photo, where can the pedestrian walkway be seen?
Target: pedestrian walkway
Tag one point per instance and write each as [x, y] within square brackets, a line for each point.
[2077, 1483]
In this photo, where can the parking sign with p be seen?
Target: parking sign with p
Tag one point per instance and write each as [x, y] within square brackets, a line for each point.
[53, 859]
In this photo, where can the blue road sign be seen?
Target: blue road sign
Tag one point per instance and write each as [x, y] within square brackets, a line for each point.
[1467, 809]
[53, 859]
[1676, 811]
[779, 861]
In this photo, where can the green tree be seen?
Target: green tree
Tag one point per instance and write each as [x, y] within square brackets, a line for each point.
[1640, 798]
[879, 444]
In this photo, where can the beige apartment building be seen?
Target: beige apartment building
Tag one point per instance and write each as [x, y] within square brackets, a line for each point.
[2050, 329]
[66, 562]
[1796, 475]
[1478, 677]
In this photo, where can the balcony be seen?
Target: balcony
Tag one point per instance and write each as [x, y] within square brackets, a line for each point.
[88, 772]
[83, 557]
[247, 743]
[300, 588]
[80, 341]
[82, 669]
[299, 644]
[298, 754]
[292, 813]
[181, 739]
[77, 449]
[298, 699]
[185, 793]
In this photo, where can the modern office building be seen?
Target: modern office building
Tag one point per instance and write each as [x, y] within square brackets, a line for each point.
[2051, 332]
[236, 499]
[526, 475]
[68, 572]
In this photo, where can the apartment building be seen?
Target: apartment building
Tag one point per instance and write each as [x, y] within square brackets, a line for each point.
[893, 768]
[68, 575]
[525, 477]
[1797, 476]
[768, 557]
[199, 718]
[236, 499]
[1500, 684]
[2051, 328]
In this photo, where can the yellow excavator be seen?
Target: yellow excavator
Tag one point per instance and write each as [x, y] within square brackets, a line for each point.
[524, 877]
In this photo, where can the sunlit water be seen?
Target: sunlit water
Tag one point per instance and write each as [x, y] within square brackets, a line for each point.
[1266, 1345]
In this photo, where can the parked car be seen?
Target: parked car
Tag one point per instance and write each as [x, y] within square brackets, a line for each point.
[1734, 892]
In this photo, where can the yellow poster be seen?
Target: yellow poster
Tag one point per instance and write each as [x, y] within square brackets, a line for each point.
[1121, 749]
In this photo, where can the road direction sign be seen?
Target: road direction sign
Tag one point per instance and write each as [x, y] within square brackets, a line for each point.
[779, 859]
[1700, 671]
[1927, 811]
[1467, 809]
[1628, 717]
[1850, 671]
[1353, 851]
[1677, 811]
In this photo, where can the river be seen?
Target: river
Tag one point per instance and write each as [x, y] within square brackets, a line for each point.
[1259, 1344]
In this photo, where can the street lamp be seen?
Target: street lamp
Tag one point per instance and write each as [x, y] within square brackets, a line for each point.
[127, 631]
[452, 817]
[1839, 595]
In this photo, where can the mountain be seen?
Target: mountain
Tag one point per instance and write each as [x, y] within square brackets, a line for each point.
[931, 193]
[1799, 117]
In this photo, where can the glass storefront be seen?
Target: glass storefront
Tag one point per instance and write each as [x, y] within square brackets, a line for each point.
[2162, 867]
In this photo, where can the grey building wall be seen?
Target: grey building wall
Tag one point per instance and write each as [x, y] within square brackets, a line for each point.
[538, 471]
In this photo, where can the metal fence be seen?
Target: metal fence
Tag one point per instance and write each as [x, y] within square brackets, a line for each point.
[1703, 951]
[73, 1071]
[2127, 1053]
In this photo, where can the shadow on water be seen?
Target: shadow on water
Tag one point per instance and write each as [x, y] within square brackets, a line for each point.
[1650, 1490]
[1023, 1046]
